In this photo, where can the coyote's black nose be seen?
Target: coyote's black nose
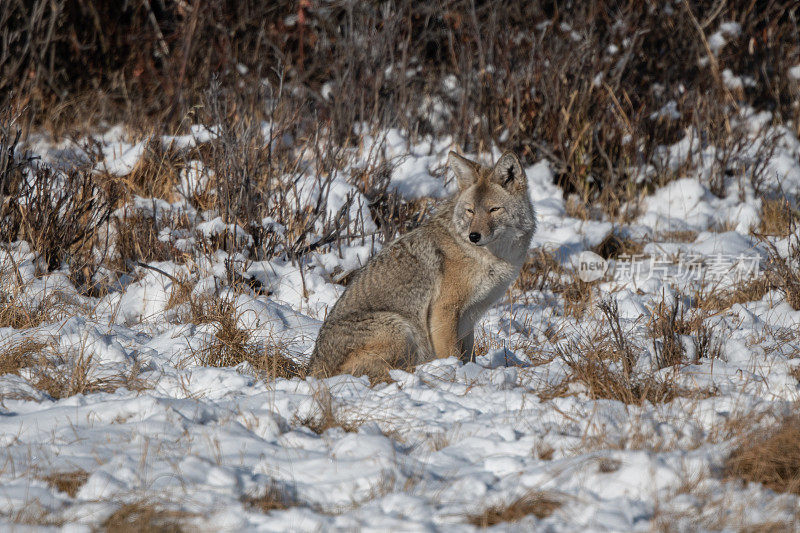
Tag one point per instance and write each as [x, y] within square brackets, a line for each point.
[474, 236]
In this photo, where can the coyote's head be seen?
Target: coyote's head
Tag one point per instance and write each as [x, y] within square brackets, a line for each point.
[492, 206]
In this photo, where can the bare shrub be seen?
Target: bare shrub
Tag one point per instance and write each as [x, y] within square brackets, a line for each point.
[57, 213]
[138, 239]
[584, 87]
[540, 504]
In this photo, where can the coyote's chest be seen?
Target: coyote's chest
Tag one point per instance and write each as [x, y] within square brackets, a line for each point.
[490, 282]
[482, 282]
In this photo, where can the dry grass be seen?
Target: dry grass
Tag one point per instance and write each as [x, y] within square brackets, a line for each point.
[62, 376]
[484, 343]
[748, 290]
[18, 355]
[676, 236]
[157, 173]
[67, 482]
[326, 415]
[666, 326]
[146, 517]
[273, 498]
[777, 217]
[542, 271]
[19, 313]
[783, 271]
[137, 239]
[539, 271]
[577, 294]
[232, 345]
[592, 364]
[603, 361]
[770, 456]
[537, 503]
[713, 509]
[770, 527]
[670, 322]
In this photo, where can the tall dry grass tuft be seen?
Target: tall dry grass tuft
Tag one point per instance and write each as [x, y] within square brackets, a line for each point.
[61, 374]
[666, 327]
[138, 238]
[67, 482]
[602, 363]
[232, 345]
[145, 516]
[543, 271]
[783, 270]
[540, 504]
[18, 355]
[778, 217]
[594, 364]
[770, 456]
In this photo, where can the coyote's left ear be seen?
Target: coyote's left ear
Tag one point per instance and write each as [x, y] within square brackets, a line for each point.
[508, 172]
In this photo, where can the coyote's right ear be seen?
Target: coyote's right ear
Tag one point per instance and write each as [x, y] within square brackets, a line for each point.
[466, 170]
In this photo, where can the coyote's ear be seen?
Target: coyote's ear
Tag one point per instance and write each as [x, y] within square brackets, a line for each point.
[466, 171]
[508, 171]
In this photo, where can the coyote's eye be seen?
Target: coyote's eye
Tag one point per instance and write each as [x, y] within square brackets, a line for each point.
[495, 209]
[470, 211]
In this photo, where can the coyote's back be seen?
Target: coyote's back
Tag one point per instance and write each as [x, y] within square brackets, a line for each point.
[419, 298]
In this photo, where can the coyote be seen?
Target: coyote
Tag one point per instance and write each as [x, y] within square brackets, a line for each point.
[419, 298]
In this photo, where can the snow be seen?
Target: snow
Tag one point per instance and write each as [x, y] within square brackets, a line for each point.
[435, 445]
[718, 40]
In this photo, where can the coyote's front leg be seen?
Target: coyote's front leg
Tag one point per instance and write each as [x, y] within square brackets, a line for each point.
[444, 330]
[467, 346]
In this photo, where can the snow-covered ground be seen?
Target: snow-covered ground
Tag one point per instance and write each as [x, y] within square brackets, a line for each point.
[434, 447]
